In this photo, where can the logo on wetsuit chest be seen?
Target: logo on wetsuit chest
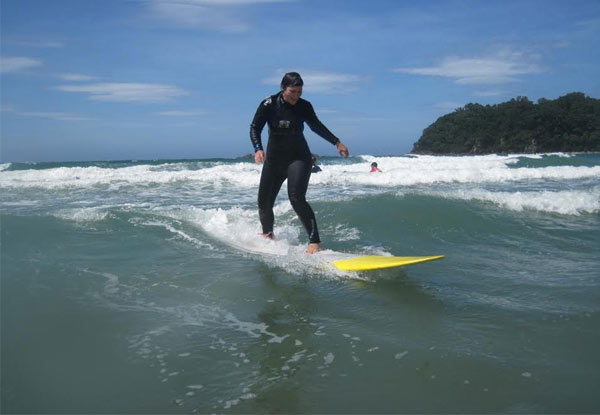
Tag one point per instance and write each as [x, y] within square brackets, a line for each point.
[284, 124]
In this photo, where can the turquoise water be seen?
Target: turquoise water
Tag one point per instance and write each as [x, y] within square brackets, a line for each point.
[141, 287]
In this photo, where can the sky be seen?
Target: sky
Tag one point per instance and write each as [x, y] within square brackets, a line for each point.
[181, 79]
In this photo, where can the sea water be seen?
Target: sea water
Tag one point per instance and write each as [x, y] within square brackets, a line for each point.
[143, 287]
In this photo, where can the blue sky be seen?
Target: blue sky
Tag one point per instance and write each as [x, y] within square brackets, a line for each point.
[156, 79]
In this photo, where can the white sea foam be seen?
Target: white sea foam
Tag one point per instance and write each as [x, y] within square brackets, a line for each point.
[4, 166]
[239, 228]
[397, 171]
[342, 233]
[82, 215]
[241, 174]
[146, 187]
[567, 202]
[177, 232]
[540, 156]
[329, 358]
[411, 171]
[111, 286]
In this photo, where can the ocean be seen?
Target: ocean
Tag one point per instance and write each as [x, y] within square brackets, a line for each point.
[143, 287]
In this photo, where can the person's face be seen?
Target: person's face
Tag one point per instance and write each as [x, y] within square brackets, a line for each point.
[291, 94]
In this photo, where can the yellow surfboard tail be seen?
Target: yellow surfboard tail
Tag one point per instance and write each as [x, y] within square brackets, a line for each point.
[368, 263]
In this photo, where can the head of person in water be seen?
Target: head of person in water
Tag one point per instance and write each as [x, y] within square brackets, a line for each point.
[291, 87]
[373, 165]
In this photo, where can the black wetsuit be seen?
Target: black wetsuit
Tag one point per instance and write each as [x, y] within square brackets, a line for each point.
[288, 157]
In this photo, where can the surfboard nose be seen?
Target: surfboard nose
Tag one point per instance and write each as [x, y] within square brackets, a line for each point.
[373, 262]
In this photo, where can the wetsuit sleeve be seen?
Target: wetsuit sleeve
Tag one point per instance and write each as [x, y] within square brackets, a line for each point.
[317, 126]
[257, 125]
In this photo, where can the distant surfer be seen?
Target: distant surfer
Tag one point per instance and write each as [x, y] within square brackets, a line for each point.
[288, 156]
[374, 168]
[315, 168]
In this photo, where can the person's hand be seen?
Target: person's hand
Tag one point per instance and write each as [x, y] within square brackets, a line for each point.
[342, 149]
[259, 157]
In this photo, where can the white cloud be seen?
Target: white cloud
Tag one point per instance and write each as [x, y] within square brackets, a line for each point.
[41, 44]
[501, 68]
[17, 64]
[7, 108]
[126, 92]
[221, 15]
[61, 116]
[184, 113]
[329, 111]
[223, 2]
[322, 82]
[562, 44]
[75, 77]
[489, 93]
[589, 26]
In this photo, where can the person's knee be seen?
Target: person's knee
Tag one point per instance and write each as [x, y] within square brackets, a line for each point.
[296, 199]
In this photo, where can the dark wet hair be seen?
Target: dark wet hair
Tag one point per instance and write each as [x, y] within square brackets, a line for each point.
[373, 164]
[291, 79]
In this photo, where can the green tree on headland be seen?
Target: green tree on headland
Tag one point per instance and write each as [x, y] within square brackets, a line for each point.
[570, 123]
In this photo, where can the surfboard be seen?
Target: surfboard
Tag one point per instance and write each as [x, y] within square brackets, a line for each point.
[374, 262]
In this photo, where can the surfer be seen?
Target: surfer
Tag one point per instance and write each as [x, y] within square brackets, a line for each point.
[288, 156]
[374, 168]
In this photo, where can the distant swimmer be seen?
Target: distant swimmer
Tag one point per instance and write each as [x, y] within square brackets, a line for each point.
[315, 168]
[288, 156]
[374, 168]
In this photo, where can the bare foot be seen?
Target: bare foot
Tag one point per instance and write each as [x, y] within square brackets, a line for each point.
[312, 248]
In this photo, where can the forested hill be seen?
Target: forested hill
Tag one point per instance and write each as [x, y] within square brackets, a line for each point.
[570, 123]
